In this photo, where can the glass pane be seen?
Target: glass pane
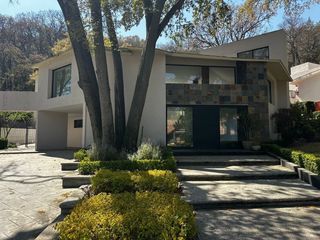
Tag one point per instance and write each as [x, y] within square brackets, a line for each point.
[179, 126]
[221, 75]
[61, 81]
[228, 125]
[245, 55]
[262, 53]
[183, 74]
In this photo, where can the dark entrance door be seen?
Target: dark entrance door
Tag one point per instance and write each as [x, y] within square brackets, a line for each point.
[206, 127]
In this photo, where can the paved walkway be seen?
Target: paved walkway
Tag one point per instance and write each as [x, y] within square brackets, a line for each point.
[30, 192]
[249, 197]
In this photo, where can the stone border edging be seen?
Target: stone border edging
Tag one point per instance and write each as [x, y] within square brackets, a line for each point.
[304, 174]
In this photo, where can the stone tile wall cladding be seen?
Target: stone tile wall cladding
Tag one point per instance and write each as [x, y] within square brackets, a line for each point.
[253, 94]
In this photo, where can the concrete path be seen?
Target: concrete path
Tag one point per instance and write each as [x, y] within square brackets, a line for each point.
[262, 224]
[30, 192]
[253, 197]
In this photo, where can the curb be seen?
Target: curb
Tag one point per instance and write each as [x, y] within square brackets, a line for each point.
[303, 174]
[75, 181]
[69, 166]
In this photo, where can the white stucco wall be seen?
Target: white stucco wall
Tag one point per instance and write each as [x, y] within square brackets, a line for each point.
[276, 41]
[52, 128]
[74, 138]
[309, 88]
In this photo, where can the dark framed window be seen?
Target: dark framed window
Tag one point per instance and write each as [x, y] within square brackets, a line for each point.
[179, 126]
[270, 90]
[183, 74]
[259, 53]
[222, 75]
[77, 123]
[61, 81]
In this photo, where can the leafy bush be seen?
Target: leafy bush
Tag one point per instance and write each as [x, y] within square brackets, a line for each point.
[309, 161]
[153, 152]
[3, 143]
[123, 181]
[139, 216]
[80, 154]
[90, 167]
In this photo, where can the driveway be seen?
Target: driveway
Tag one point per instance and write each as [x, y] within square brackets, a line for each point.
[30, 192]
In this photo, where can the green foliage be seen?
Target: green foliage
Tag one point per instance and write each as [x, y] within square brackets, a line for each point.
[298, 122]
[9, 119]
[123, 181]
[309, 161]
[3, 143]
[149, 151]
[139, 216]
[90, 167]
[80, 154]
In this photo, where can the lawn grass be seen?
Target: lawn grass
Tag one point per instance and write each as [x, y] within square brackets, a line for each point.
[313, 148]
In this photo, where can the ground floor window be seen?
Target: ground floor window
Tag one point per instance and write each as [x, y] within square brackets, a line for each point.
[179, 126]
[228, 124]
[203, 127]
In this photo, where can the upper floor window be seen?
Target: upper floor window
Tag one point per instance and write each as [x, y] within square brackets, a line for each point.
[61, 81]
[260, 53]
[183, 74]
[221, 75]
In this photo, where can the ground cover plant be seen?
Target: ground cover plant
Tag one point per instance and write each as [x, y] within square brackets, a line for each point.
[136, 216]
[124, 181]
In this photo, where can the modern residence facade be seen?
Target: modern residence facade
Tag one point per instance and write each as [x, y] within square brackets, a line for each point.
[194, 99]
[306, 83]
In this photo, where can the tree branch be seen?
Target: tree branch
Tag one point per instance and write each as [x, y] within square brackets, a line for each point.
[175, 8]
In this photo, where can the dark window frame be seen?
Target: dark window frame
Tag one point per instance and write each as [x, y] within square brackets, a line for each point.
[78, 123]
[252, 51]
[52, 77]
[205, 80]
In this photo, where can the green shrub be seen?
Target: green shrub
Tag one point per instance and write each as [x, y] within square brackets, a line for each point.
[131, 216]
[90, 167]
[80, 154]
[311, 163]
[3, 143]
[153, 152]
[124, 181]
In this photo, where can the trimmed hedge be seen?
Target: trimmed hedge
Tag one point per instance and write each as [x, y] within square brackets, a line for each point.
[131, 216]
[308, 161]
[87, 167]
[3, 143]
[123, 181]
[80, 154]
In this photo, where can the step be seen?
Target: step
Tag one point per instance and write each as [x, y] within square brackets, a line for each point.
[226, 160]
[295, 223]
[209, 173]
[69, 166]
[75, 181]
[212, 152]
[249, 193]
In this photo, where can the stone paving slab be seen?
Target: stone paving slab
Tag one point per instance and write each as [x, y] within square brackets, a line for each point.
[232, 170]
[226, 160]
[30, 192]
[247, 190]
[253, 224]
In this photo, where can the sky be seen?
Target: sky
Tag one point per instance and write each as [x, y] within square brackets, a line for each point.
[21, 6]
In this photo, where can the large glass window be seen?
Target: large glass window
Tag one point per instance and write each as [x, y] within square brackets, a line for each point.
[228, 124]
[61, 81]
[183, 74]
[221, 75]
[260, 53]
[179, 127]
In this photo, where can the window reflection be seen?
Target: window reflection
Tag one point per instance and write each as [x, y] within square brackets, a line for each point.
[228, 125]
[183, 74]
[61, 81]
[179, 127]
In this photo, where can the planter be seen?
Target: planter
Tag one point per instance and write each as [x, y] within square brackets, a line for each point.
[247, 145]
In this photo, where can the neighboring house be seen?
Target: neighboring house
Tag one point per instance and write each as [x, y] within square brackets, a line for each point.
[306, 83]
[193, 100]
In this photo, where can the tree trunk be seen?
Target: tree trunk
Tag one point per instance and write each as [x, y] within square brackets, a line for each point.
[87, 77]
[102, 77]
[142, 83]
[120, 114]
